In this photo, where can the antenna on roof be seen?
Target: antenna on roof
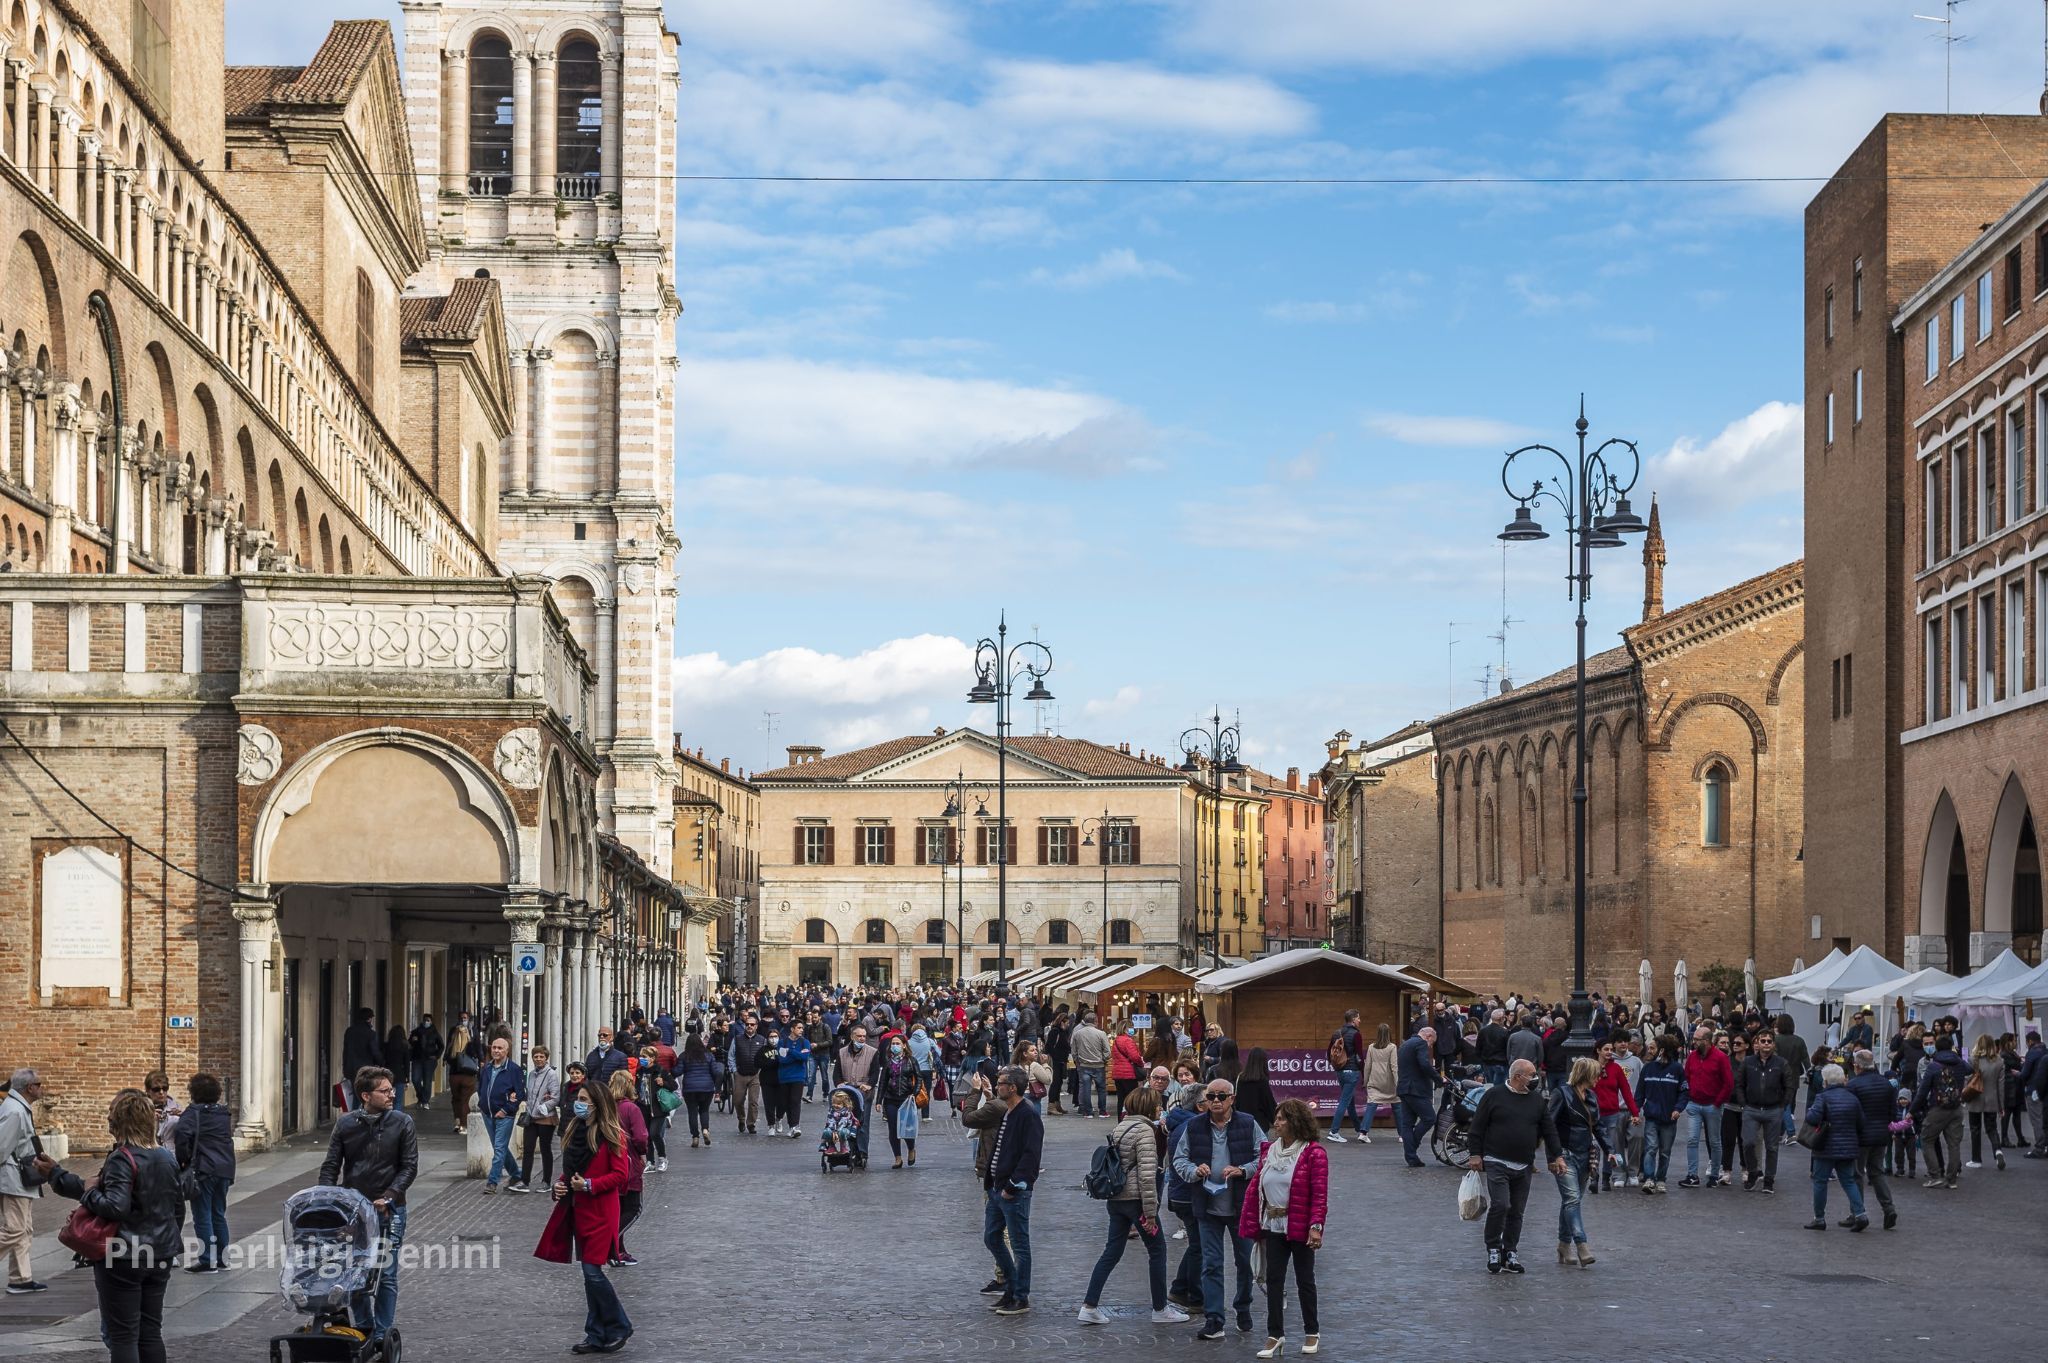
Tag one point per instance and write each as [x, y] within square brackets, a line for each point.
[1506, 679]
[770, 722]
[1949, 38]
[1451, 642]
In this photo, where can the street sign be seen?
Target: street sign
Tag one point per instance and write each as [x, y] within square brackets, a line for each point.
[1141, 1021]
[181, 1022]
[528, 958]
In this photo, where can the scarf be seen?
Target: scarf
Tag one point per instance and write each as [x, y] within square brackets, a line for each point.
[1280, 1162]
[576, 1148]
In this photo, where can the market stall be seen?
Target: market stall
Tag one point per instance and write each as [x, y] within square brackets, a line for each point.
[1814, 998]
[1983, 1003]
[1142, 996]
[1293, 1002]
[1439, 987]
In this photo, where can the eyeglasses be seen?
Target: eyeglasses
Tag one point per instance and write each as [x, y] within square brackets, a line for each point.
[154, 1089]
[1215, 1097]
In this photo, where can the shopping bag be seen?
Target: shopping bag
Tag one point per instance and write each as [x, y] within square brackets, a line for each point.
[1471, 1196]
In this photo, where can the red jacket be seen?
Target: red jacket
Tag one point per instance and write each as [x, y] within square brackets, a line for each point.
[1613, 1091]
[1709, 1078]
[1308, 1196]
[1126, 1061]
[586, 1225]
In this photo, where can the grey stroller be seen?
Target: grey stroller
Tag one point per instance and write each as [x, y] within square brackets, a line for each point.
[334, 1261]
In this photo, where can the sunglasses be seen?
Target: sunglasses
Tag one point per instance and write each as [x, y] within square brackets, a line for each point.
[1215, 1097]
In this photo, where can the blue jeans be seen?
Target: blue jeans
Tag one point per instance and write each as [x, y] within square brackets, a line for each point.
[1006, 1230]
[210, 1218]
[1187, 1274]
[1091, 1083]
[1614, 1137]
[604, 1318]
[1571, 1187]
[1658, 1138]
[1123, 1219]
[1414, 1117]
[384, 1309]
[1843, 1169]
[1494, 1074]
[1347, 1092]
[820, 1075]
[501, 1147]
[1697, 1116]
[1218, 1231]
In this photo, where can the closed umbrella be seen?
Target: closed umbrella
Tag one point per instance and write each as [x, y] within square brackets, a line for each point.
[1749, 981]
[1681, 995]
[1643, 985]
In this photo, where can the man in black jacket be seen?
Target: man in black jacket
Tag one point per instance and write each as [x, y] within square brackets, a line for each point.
[1414, 1091]
[360, 1048]
[1493, 1048]
[1012, 1173]
[1506, 1127]
[1761, 1087]
[375, 1151]
[427, 1047]
[1879, 1098]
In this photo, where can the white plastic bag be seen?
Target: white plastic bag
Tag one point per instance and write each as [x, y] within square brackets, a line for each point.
[1472, 1195]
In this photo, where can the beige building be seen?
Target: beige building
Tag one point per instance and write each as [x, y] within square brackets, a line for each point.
[1386, 883]
[717, 861]
[864, 878]
[1223, 912]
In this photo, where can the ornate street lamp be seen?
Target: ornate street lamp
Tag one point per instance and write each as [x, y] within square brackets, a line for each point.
[998, 667]
[1090, 827]
[959, 791]
[1594, 500]
[1217, 747]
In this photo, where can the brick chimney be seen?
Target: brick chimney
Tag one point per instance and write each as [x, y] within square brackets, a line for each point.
[1294, 778]
[725, 765]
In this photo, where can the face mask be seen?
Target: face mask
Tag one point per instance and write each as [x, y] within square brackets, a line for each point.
[582, 1109]
[859, 1046]
[896, 1049]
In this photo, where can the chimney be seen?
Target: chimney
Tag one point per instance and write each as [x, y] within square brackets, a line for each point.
[725, 765]
[800, 753]
[1315, 787]
[1294, 778]
[1653, 565]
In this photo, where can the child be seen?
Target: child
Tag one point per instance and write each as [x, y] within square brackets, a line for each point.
[1905, 1143]
[842, 1126]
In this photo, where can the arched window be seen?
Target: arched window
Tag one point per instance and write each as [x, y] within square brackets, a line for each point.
[814, 930]
[1714, 807]
[579, 121]
[490, 116]
[877, 930]
[935, 932]
[1119, 932]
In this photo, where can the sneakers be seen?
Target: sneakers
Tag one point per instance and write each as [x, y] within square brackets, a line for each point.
[1767, 1189]
[1634, 1181]
[1749, 1182]
[626, 1259]
[995, 1287]
[1998, 1157]
[1973, 1164]
[25, 1286]
[1364, 1138]
[1093, 1315]
[1210, 1330]
[490, 1188]
[1013, 1306]
[1493, 1261]
[1689, 1181]
[1335, 1137]
[796, 1133]
[1510, 1264]
[519, 1187]
[1187, 1299]
[1244, 1322]
[1936, 1182]
[1891, 1219]
[1649, 1188]
[1816, 1224]
[1169, 1315]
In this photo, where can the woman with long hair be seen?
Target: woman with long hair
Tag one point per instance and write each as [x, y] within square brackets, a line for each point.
[1577, 1114]
[701, 1072]
[1255, 1090]
[1226, 1064]
[465, 1061]
[584, 1225]
[1737, 1047]
[632, 1121]
[1027, 1057]
[1382, 1078]
[1987, 1104]
[137, 1189]
[1286, 1201]
[654, 1080]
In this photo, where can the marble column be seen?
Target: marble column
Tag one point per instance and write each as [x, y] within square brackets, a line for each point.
[607, 480]
[542, 370]
[38, 166]
[68, 124]
[455, 121]
[605, 661]
[123, 234]
[522, 123]
[89, 203]
[259, 1097]
[608, 152]
[544, 123]
[523, 912]
[517, 458]
[20, 68]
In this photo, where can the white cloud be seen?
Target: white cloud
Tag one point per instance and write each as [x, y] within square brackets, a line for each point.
[1755, 458]
[840, 701]
[1448, 431]
[1134, 96]
[818, 32]
[1118, 263]
[1126, 699]
[813, 413]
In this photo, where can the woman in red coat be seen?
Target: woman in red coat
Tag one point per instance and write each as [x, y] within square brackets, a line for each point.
[1285, 1202]
[585, 1223]
[1126, 1067]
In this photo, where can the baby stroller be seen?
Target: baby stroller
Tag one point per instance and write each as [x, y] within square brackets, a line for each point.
[857, 1156]
[1450, 1135]
[334, 1261]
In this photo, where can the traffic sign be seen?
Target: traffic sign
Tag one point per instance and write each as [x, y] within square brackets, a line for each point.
[528, 958]
[1141, 1021]
[181, 1022]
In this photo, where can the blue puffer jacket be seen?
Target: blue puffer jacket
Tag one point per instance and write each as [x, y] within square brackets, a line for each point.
[1177, 1117]
[1844, 1115]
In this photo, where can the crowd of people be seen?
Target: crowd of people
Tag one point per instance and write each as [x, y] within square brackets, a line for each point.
[1198, 1130]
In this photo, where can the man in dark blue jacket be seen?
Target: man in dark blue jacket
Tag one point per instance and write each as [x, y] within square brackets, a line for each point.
[605, 1059]
[1012, 1173]
[2034, 1092]
[500, 1089]
[1414, 1091]
[1879, 1098]
[1214, 1158]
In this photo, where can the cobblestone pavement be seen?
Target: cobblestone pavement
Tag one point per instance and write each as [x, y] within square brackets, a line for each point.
[749, 1252]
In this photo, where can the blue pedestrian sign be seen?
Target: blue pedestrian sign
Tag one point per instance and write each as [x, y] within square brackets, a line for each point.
[181, 1022]
[528, 958]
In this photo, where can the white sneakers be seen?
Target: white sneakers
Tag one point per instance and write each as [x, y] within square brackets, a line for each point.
[1092, 1315]
[775, 1130]
[795, 1132]
[1335, 1137]
[1169, 1314]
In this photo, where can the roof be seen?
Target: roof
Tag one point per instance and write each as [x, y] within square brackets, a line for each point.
[1860, 970]
[1716, 613]
[457, 315]
[327, 79]
[1607, 663]
[1223, 981]
[1126, 974]
[1071, 754]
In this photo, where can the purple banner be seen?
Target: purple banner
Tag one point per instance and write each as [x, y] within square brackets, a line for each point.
[1303, 1074]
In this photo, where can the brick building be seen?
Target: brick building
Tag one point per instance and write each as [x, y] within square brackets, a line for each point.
[1974, 752]
[1385, 883]
[1291, 860]
[1919, 190]
[1693, 810]
[718, 856]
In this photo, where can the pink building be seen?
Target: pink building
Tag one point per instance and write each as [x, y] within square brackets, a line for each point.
[1292, 896]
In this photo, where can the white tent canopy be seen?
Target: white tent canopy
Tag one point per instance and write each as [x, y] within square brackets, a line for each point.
[1784, 982]
[1906, 988]
[1985, 986]
[1223, 981]
[1834, 980]
[2016, 990]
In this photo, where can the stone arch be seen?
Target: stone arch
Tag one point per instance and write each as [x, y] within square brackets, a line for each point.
[347, 559]
[465, 33]
[31, 256]
[280, 509]
[302, 515]
[1778, 672]
[216, 453]
[577, 596]
[1937, 872]
[828, 936]
[166, 397]
[595, 331]
[1699, 768]
[389, 787]
[1736, 703]
[2014, 813]
[252, 481]
[562, 31]
[326, 537]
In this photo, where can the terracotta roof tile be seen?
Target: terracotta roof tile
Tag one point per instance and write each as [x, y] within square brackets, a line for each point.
[457, 315]
[1074, 754]
[1603, 664]
[839, 766]
[328, 79]
[249, 88]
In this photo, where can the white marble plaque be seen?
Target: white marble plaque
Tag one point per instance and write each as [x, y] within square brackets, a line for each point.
[82, 937]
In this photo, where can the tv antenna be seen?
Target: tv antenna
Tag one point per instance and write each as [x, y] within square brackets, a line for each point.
[1505, 620]
[1949, 38]
[771, 720]
[1451, 642]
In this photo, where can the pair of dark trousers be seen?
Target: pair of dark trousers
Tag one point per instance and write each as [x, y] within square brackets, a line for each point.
[1279, 1252]
[604, 1317]
[698, 1105]
[1124, 1217]
[1507, 1194]
[1873, 1175]
[132, 1310]
[539, 1136]
[1187, 1275]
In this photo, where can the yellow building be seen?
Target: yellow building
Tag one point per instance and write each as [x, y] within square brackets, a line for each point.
[1225, 849]
[718, 863]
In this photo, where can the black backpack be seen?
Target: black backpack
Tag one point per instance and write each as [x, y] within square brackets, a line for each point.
[1946, 1089]
[1105, 1178]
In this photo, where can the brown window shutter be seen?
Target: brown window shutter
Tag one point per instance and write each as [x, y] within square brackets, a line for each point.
[981, 845]
[831, 846]
[918, 851]
[1102, 845]
[1135, 858]
[1044, 845]
[889, 845]
[796, 857]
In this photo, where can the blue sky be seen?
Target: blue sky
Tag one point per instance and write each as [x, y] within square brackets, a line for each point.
[1231, 445]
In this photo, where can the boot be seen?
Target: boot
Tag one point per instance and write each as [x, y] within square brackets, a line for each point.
[1054, 1109]
[1585, 1255]
[1564, 1254]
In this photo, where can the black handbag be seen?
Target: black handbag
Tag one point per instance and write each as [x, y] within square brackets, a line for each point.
[1812, 1135]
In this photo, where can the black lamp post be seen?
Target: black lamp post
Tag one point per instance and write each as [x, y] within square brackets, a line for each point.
[1090, 829]
[959, 791]
[1217, 746]
[1596, 515]
[998, 667]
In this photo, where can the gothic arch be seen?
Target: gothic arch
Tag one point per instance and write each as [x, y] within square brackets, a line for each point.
[601, 336]
[1700, 768]
[1778, 672]
[1942, 828]
[1735, 703]
[53, 300]
[2013, 811]
[551, 38]
[470, 29]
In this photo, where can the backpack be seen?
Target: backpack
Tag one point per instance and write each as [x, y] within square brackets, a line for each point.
[1340, 1054]
[1105, 1178]
[1946, 1090]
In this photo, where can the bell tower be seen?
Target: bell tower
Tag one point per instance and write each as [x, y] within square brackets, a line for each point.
[1653, 565]
[544, 134]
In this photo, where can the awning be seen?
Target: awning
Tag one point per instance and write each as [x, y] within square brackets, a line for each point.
[1223, 981]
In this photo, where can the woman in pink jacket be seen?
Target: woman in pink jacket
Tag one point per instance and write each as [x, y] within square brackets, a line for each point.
[1285, 1202]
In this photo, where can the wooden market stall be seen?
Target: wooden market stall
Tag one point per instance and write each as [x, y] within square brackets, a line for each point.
[1293, 1002]
[1157, 992]
[1439, 987]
